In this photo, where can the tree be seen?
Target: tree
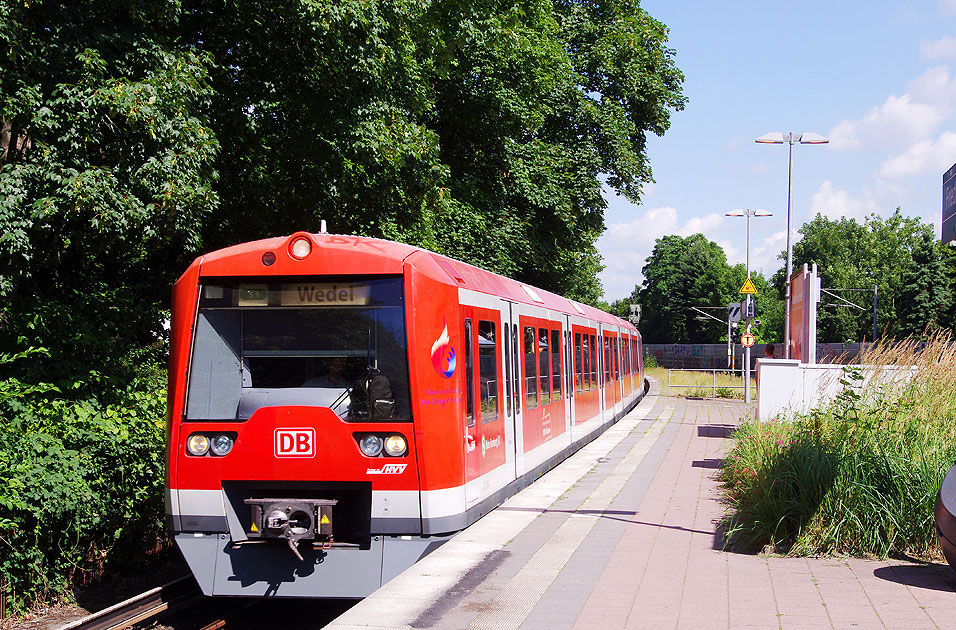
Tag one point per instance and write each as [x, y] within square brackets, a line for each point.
[849, 255]
[476, 129]
[925, 296]
[106, 175]
[681, 273]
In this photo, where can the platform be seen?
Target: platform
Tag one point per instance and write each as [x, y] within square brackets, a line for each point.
[622, 535]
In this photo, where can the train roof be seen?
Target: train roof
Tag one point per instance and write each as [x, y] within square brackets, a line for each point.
[379, 256]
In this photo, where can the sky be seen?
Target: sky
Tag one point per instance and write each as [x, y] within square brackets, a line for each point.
[877, 78]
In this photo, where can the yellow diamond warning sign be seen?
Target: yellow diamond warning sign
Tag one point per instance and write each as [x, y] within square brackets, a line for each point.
[324, 520]
[748, 288]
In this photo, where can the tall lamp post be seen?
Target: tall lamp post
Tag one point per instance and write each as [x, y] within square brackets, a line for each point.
[775, 137]
[747, 309]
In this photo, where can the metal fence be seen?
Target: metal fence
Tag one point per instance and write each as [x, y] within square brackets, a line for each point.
[714, 387]
[713, 356]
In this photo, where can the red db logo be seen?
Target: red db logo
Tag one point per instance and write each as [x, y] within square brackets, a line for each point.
[295, 442]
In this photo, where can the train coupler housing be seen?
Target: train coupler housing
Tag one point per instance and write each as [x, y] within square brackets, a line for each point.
[291, 520]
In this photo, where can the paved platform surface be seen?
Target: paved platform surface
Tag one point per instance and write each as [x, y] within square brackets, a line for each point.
[623, 535]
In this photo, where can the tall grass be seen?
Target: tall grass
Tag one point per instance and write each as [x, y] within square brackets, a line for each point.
[858, 476]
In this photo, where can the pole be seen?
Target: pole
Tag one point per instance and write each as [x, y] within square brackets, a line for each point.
[786, 312]
[747, 357]
[876, 330]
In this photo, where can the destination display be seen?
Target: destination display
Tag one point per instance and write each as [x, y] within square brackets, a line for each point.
[325, 294]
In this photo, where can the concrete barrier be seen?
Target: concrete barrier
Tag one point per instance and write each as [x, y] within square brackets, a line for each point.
[786, 387]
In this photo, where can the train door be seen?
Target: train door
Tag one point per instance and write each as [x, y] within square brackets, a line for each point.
[512, 390]
[485, 439]
[568, 373]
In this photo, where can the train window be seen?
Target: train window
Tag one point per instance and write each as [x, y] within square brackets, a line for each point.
[617, 358]
[594, 366]
[530, 367]
[555, 365]
[506, 358]
[625, 357]
[300, 341]
[469, 376]
[543, 371]
[488, 371]
[607, 362]
[578, 366]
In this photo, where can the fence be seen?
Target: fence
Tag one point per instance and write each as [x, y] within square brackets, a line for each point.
[713, 356]
[714, 387]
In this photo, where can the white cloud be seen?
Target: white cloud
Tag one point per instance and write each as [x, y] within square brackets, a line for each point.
[921, 158]
[702, 224]
[948, 6]
[758, 169]
[834, 203]
[625, 246]
[902, 119]
[943, 48]
[898, 116]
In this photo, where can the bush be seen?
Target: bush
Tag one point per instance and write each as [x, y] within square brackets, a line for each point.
[859, 476]
[81, 485]
[650, 361]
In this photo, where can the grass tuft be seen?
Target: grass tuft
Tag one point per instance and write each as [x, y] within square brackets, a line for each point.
[859, 476]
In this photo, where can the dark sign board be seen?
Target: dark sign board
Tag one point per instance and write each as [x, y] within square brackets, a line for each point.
[949, 205]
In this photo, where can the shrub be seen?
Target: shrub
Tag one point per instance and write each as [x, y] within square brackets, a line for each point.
[859, 476]
[80, 485]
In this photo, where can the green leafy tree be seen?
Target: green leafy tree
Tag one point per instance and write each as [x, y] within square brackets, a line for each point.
[681, 273]
[106, 175]
[925, 296]
[477, 129]
[850, 255]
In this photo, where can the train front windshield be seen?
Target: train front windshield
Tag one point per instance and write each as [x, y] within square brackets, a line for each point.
[336, 344]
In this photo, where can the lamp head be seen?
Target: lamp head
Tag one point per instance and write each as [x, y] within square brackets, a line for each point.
[774, 137]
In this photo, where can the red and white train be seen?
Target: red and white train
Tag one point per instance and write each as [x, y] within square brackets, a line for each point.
[340, 406]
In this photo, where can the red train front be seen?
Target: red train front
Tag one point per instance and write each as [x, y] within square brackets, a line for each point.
[340, 406]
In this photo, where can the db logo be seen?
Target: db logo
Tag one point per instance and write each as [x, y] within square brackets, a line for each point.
[295, 442]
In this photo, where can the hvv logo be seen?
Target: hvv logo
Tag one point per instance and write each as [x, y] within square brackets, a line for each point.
[295, 442]
[443, 354]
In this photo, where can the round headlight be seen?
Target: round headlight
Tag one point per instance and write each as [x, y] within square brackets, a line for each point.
[268, 258]
[197, 444]
[395, 446]
[371, 445]
[301, 247]
[221, 444]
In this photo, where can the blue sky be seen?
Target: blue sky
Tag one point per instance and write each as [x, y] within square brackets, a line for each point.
[877, 78]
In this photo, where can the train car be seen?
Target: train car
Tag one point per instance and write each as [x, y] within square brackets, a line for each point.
[340, 406]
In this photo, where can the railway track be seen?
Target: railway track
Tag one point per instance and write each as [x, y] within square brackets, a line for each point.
[140, 607]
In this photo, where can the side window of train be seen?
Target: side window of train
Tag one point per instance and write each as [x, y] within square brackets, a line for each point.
[555, 365]
[469, 376]
[544, 374]
[578, 366]
[607, 359]
[488, 371]
[594, 367]
[530, 367]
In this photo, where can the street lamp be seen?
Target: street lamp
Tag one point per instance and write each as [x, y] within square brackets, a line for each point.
[775, 137]
[747, 310]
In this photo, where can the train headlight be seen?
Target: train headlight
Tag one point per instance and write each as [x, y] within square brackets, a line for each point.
[371, 445]
[221, 444]
[301, 247]
[197, 444]
[395, 446]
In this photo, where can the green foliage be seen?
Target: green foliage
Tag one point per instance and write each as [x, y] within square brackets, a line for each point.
[684, 272]
[898, 255]
[80, 486]
[859, 476]
[105, 179]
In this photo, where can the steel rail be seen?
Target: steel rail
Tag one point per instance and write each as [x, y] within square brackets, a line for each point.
[139, 607]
